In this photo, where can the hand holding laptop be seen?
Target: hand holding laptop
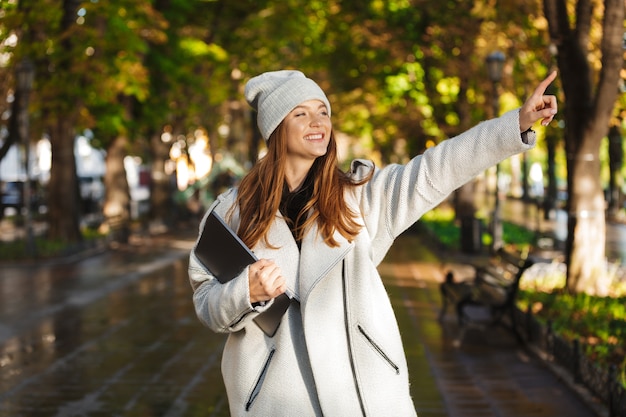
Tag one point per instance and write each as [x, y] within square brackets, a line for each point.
[266, 281]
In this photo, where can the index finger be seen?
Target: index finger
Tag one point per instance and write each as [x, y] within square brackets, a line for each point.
[543, 86]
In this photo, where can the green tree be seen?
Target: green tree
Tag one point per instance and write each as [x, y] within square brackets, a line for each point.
[119, 34]
[590, 95]
[401, 75]
[60, 63]
[194, 86]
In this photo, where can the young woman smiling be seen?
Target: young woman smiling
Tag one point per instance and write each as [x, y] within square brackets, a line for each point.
[320, 233]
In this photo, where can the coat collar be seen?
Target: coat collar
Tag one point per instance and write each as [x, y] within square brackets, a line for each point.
[317, 259]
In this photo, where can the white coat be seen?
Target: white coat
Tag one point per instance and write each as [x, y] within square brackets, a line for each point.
[338, 352]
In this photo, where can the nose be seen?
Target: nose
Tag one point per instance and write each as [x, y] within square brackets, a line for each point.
[316, 120]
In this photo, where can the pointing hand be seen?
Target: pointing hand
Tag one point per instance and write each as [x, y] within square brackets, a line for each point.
[538, 106]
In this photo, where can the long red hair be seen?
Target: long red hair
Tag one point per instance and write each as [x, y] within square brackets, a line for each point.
[261, 189]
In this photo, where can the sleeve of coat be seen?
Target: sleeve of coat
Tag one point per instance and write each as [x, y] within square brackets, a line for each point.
[221, 307]
[398, 195]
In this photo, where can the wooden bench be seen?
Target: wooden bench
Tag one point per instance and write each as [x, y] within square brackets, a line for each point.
[494, 288]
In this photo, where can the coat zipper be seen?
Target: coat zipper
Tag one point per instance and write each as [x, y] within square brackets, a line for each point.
[349, 339]
[379, 350]
[259, 381]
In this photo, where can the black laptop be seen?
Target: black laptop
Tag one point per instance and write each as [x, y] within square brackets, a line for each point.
[221, 251]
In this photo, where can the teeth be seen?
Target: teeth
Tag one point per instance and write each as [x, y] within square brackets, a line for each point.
[313, 137]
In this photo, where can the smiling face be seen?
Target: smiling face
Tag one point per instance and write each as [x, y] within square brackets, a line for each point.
[308, 128]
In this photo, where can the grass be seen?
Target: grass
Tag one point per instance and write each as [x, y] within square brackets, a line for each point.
[599, 323]
[442, 223]
[46, 248]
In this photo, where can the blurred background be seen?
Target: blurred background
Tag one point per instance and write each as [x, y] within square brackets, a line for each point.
[128, 116]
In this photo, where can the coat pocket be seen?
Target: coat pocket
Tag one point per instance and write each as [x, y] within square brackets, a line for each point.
[259, 382]
[379, 350]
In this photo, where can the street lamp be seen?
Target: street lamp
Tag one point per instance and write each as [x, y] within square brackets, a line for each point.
[495, 65]
[25, 75]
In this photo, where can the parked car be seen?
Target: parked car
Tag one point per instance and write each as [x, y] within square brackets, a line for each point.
[12, 197]
[11, 194]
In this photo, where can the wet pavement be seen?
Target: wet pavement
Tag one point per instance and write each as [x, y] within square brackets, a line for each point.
[115, 334]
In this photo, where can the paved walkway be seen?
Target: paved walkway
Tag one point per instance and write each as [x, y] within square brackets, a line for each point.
[114, 334]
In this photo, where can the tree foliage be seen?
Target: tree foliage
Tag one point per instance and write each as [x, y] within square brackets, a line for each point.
[401, 75]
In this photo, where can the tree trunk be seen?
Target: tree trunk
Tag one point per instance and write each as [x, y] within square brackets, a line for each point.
[586, 226]
[63, 200]
[236, 142]
[588, 109]
[549, 203]
[255, 140]
[13, 135]
[63, 195]
[465, 196]
[117, 196]
[616, 161]
[160, 186]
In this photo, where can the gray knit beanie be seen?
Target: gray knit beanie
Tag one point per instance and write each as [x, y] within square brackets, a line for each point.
[274, 94]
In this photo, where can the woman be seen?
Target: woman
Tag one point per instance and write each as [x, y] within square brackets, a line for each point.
[319, 234]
